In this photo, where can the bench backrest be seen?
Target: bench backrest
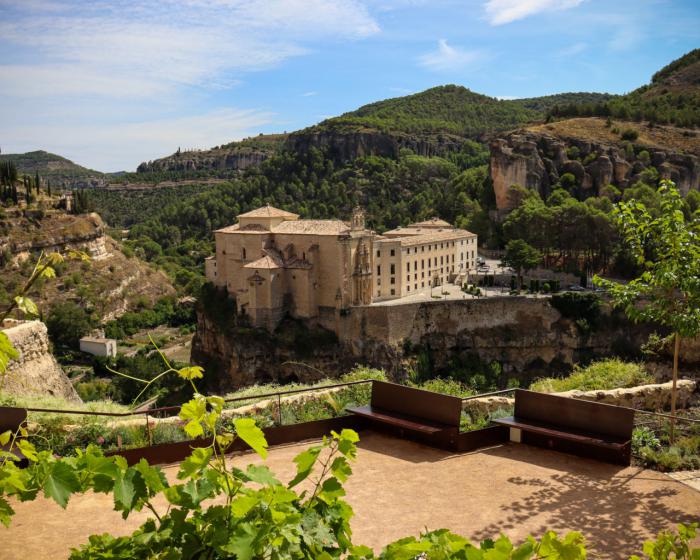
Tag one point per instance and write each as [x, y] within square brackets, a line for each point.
[12, 418]
[443, 409]
[576, 414]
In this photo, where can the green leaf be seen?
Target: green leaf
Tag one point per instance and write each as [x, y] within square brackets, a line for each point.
[5, 437]
[27, 449]
[305, 462]
[248, 431]
[27, 306]
[153, 477]
[7, 352]
[191, 372]
[243, 504]
[262, 475]
[241, 542]
[60, 483]
[6, 512]
[195, 463]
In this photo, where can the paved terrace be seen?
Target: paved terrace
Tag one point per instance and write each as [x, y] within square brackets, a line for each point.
[399, 488]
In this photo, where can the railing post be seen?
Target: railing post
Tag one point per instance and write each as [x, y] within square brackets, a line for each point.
[148, 431]
[279, 410]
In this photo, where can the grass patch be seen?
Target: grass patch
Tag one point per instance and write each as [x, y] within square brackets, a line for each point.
[598, 376]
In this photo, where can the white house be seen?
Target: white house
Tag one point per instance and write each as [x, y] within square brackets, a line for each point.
[98, 346]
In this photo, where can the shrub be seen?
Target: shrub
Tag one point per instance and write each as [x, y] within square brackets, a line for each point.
[644, 437]
[602, 375]
[67, 323]
[578, 305]
[629, 134]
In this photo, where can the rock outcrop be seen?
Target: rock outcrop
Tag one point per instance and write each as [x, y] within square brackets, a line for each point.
[536, 159]
[345, 145]
[526, 337]
[36, 371]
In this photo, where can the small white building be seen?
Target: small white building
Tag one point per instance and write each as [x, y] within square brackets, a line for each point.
[98, 346]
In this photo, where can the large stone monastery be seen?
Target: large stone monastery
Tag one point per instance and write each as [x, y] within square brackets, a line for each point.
[273, 263]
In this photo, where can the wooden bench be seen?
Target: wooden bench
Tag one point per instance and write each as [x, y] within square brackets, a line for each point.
[601, 431]
[12, 419]
[433, 417]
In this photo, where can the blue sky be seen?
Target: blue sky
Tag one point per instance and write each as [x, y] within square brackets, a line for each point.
[111, 83]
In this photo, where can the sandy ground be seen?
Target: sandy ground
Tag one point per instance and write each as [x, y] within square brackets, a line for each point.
[400, 488]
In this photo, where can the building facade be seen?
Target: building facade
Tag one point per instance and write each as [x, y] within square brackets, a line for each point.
[274, 264]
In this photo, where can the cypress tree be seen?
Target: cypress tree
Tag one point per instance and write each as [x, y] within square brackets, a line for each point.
[48, 186]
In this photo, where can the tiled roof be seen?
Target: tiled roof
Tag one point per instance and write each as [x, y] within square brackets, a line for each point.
[266, 262]
[315, 227]
[248, 228]
[431, 223]
[431, 237]
[268, 212]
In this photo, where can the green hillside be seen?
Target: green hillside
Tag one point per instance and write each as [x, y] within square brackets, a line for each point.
[672, 97]
[50, 166]
[451, 109]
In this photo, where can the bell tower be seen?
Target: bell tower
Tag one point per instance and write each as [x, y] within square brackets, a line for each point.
[358, 219]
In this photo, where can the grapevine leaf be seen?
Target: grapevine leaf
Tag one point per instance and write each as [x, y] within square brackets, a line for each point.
[7, 352]
[243, 504]
[60, 483]
[195, 463]
[241, 542]
[249, 432]
[27, 449]
[5, 437]
[262, 475]
[6, 512]
[27, 306]
[191, 372]
[305, 462]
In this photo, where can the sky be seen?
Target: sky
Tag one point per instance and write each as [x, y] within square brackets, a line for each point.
[111, 83]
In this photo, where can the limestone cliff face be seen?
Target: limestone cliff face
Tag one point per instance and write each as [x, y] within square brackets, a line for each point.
[526, 336]
[218, 159]
[21, 233]
[537, 159]
[36, 371]
[345, 145]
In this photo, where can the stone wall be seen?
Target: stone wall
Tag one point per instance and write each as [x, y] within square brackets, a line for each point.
[656, 397]
[527, 336]
[36, 372]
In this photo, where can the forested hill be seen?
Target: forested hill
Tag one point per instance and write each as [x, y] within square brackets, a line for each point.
[672, 97]
[450, 109]
[53, 167]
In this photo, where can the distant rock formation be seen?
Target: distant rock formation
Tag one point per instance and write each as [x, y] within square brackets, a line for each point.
[36, 372]
[345, 145]
[536, 160]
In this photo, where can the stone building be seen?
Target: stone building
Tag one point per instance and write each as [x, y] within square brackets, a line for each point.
[273, 263]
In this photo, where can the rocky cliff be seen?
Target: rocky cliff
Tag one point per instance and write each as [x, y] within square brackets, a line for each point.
[36, 371]
[237, 156]
[109, 284]
[343, 145]
[526, 337]
[596, 155]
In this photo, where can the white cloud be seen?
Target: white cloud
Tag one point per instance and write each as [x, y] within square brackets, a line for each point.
[159, 58]
[499, 12]
[124, 145]
[447, 58]
[309, 93]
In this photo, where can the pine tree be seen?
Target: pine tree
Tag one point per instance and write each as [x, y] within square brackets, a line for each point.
[28, 189]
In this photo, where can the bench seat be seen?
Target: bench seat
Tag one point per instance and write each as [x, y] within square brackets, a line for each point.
[570, 434]
[399, 420]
